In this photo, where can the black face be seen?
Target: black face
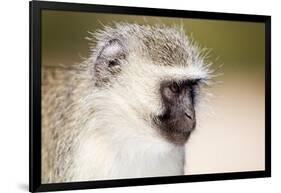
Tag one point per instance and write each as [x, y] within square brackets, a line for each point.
[178, 119]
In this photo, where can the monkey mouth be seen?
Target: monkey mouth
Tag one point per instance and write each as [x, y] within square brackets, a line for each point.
[175, 133]
[177, 136]
[182, 130]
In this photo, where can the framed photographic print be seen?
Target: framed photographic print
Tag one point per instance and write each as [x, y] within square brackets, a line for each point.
[126, 96]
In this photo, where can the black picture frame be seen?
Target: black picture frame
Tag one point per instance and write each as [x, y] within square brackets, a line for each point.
[36, 7]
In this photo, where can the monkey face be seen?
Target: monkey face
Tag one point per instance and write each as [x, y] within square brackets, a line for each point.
[178, 119]
[152, 76]
[162, 96]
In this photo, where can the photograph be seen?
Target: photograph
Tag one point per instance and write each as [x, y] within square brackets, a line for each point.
[129, 96]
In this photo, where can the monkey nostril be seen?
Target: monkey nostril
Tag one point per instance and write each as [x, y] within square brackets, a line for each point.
[188, 116]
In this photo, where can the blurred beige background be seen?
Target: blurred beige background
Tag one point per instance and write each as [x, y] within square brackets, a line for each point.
[230, 132]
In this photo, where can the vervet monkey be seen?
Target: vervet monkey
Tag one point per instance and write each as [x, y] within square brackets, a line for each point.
[126, 111]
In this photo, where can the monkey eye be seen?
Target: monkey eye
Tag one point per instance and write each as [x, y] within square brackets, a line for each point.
[175, 87]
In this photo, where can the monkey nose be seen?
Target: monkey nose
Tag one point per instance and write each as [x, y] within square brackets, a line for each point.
[190, 121]
[190, 114]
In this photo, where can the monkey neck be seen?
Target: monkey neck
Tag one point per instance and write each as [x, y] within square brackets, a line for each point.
[115, 144]
[118, 153]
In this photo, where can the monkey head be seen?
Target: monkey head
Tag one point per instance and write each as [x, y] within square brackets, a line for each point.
[151, 73]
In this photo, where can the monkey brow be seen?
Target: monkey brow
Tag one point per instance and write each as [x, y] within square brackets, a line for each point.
[190, 82]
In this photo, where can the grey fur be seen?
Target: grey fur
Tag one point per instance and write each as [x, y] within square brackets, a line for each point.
[62, 89]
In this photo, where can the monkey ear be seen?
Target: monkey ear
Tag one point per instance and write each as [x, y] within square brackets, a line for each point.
[109, 60]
